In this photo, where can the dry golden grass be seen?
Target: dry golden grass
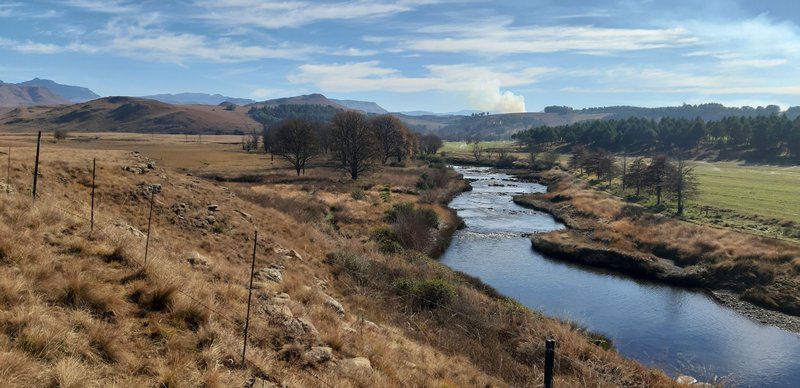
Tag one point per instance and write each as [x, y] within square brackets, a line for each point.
[79, 309]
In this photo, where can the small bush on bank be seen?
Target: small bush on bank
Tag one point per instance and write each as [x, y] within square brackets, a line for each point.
[413, 227]
[429, 294]
[349, 263]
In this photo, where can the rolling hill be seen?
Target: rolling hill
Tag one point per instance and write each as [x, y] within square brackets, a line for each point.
[306, 99]
[129, 114]
[198, 98]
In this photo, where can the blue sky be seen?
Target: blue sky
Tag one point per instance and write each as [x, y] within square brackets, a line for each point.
[439, 55]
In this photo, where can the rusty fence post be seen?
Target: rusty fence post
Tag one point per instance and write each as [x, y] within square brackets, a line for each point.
[549, 355]
[249, 297]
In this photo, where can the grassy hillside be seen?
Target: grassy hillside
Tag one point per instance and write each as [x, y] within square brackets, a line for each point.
[128, 114]
[82, 309]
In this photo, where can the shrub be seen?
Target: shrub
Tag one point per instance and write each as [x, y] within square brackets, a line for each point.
[435, 179]
[428, 294]
[390, 246]
[60, 134]
[413, 227]
[386, 194]
[349, 263]
[358, 194]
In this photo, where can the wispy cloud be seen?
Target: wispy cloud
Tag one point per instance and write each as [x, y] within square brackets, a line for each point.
[281, 14]
[104, 6]
[497, 37]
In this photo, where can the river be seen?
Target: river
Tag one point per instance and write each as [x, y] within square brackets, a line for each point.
[680, 331]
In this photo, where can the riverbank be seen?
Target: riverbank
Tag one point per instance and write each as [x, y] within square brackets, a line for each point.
[754, 275]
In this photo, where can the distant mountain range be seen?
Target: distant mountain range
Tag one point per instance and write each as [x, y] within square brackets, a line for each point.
[198, 99]
[67, 92]
[14, 95]
[202, 113]
[364, 106]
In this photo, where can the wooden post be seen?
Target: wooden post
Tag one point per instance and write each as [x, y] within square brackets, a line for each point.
[36, 166]
[149, 223]
[94, 175]
[549, 354]
[8, 172]
[249, 297]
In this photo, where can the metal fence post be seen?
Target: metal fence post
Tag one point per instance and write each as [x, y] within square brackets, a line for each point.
[549, 354]
[36, 166]
[249, 297]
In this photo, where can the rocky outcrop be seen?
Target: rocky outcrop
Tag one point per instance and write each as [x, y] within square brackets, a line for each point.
[358, 366]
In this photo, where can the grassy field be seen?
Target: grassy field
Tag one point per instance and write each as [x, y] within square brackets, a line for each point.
[768, 191]
[460, 148]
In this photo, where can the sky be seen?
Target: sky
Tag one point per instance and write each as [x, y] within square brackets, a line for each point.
[434, 55]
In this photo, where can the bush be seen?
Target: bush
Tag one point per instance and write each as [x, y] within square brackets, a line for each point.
[413, 228]
[428, 294]
[350, 263]
[435, 179]
[358, 194]
[60, 134]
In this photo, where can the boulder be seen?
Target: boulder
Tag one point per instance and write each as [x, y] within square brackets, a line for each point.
[195, 259]
[685, 380]
[213, 207]
[355, 366]
[269, 274]
[335, 305]
[318, 355]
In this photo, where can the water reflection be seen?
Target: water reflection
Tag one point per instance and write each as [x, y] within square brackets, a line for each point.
[677, 330]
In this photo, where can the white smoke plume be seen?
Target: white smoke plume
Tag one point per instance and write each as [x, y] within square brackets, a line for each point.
[488, 96]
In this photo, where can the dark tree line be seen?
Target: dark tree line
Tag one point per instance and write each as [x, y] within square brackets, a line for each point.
[768, 136]
[356, 142]
[660, 175]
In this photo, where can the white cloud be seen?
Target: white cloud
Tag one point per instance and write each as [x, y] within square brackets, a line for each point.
[482, 85]
[281, 14]
[499, 37]
[654, 80]
[104, 6]
[141, 39]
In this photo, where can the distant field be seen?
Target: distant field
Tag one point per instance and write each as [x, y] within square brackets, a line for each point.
[769, 191]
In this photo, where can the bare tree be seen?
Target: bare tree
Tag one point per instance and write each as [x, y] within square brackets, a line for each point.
[477, 151]
[250, 142]
[352, 142]
[295, 141]
[683, 183]
[389, 137]
[430, 144]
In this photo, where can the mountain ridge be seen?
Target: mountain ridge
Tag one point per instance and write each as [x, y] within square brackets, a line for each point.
[68, 92]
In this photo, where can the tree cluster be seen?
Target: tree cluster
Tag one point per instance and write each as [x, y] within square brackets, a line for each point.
[660, 175]
[356, 142]
[768, 136]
